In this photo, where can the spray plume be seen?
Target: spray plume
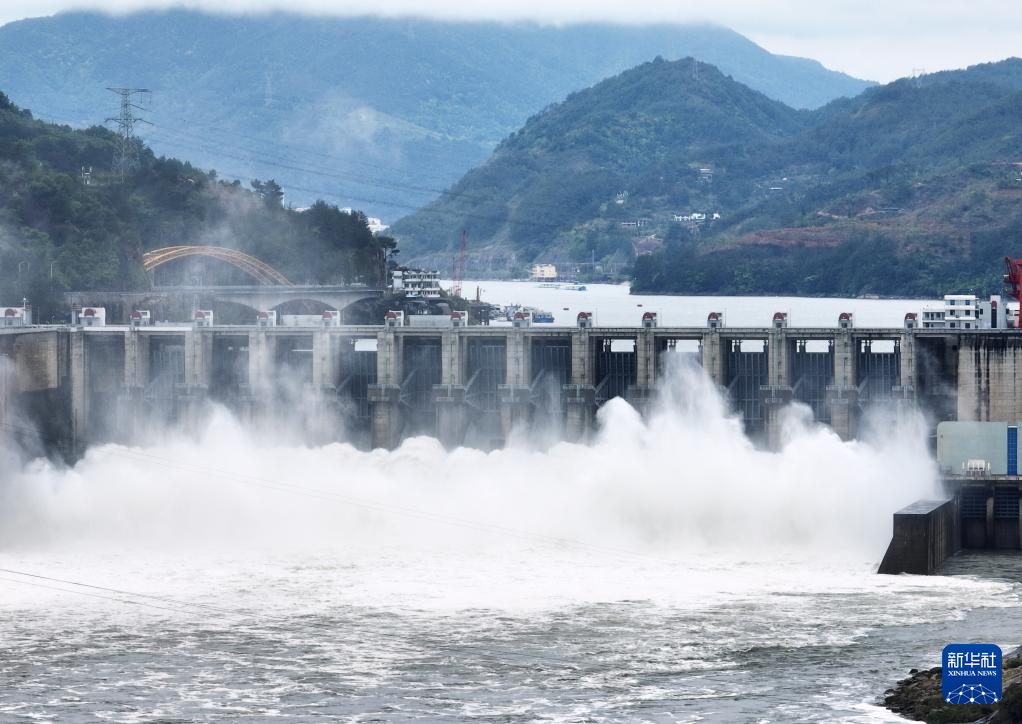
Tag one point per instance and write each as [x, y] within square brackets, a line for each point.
[685, 482]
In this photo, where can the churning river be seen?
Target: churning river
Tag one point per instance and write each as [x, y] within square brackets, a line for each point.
[667, 571]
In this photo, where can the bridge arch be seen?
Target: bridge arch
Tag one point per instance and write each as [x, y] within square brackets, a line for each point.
[258, 270]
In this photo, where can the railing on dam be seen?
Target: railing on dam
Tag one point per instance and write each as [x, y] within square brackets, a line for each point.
[474, 384]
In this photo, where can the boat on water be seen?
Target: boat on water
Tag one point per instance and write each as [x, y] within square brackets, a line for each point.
[568, 286]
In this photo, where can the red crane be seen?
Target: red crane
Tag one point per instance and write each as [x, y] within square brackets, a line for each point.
[1013, 278]
[458, 267]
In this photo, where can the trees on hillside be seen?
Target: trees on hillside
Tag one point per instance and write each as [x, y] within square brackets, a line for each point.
[67, 223]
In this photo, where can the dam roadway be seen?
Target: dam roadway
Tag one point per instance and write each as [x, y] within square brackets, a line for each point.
[474, 384]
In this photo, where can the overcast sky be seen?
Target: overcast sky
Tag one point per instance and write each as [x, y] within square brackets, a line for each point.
[867, 38]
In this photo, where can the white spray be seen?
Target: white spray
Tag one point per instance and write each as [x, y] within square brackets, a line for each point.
[686, 482]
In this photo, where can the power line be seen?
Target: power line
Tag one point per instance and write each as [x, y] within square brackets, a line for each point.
[191, 141]
[291, 164]
[118, 599]
[348, 197]
[317, 154]
[126, 155]
[106, 589]
[418, 209]
[132, 598]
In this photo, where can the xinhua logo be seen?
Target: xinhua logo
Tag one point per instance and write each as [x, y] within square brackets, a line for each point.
[972, 674]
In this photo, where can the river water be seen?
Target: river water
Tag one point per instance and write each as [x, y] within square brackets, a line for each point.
[668, 571]
[612, 305]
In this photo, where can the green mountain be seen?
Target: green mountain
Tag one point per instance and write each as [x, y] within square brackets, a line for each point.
[909, 188]
[380, 114]
[68, 222]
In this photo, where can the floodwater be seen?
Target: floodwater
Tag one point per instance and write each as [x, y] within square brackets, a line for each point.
[667, 571]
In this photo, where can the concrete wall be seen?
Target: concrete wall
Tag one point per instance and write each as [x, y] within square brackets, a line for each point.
[990, 377]
[35, 359]
[926, 534]
[34, 388]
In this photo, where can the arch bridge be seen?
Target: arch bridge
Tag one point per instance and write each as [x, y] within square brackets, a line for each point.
[272, 288]
[258, 270]
[255, 297]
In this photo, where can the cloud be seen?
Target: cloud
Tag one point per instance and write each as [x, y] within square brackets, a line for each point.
[835, 18]
[870, 39]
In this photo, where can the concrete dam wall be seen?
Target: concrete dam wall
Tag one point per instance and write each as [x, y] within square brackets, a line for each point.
[474, 384]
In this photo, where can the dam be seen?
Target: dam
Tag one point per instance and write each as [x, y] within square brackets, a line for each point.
[473, 384]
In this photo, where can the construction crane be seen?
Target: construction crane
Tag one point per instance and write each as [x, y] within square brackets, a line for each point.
[1013, 278]
[458, 267]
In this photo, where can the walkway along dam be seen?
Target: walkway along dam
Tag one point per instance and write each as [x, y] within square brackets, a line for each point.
[474, 384]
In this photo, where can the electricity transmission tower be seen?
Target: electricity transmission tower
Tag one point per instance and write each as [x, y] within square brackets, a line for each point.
[126, 155]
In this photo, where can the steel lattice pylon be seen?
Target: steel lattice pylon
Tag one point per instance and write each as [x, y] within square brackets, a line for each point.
[260, 271]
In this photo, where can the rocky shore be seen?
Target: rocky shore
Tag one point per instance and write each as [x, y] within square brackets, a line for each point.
[919, 698]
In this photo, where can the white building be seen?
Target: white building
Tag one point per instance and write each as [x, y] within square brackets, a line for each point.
[543, 272]
[961, 311]
[933, 317]
[966, 311]
[417, 283]
[696, 217]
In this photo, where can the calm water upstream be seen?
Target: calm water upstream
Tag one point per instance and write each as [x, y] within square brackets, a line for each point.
[612, 305]
[668, 571]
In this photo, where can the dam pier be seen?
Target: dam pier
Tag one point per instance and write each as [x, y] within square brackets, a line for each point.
[474, 384]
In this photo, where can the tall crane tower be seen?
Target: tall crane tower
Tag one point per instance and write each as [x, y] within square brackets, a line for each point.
[1013, 278]
[458, 266]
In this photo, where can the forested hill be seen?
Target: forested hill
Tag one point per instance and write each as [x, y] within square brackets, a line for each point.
[375, 113]
[909, 188]
[578, 167]
[64, 229]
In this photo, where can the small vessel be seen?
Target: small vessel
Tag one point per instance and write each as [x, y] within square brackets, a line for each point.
[540, 316]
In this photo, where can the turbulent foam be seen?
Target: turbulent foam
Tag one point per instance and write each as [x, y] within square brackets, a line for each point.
[686, 482]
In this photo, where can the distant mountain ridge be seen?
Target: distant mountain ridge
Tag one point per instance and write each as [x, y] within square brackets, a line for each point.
[909, 188]
[568, 165]
[375, 113]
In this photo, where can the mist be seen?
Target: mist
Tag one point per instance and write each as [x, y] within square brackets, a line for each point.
[912, 34]
[684, 483]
